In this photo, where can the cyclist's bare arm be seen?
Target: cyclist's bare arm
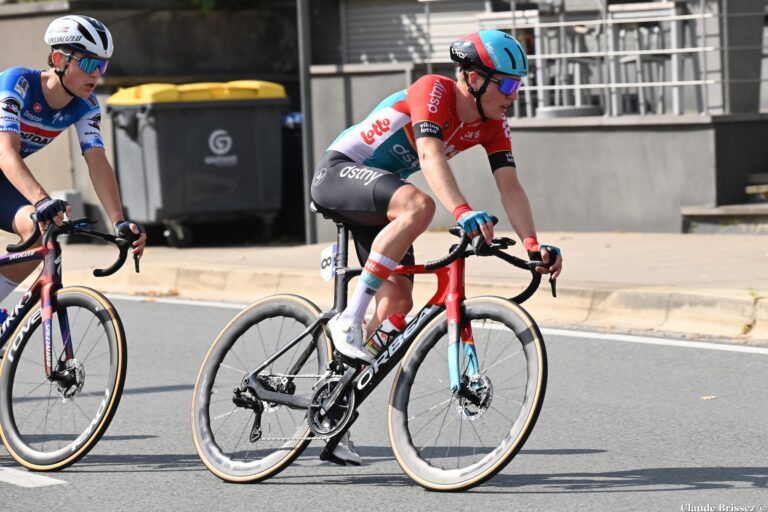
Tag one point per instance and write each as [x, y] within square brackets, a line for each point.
[438, 173]
[104, 182]
[518, 209]
[515, 202]
[440, 178]
[16, 170]
[105, 185]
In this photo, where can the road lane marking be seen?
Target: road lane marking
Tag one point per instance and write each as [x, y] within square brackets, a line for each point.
[626, 338]
[27, 479]
[647, 340]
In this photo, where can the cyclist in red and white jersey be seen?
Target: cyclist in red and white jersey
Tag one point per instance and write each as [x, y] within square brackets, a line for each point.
[35, 107]
[361, 178]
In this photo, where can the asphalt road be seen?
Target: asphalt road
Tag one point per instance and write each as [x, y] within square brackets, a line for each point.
[625, 426]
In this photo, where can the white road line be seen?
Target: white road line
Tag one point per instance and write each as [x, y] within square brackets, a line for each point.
[625, 338]
[647, 340]
[177, 302]
[27, 479]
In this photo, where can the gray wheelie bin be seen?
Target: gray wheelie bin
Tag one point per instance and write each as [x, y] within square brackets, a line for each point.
[198, 153]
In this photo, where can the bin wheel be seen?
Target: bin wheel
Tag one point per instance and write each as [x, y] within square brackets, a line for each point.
[177, 234]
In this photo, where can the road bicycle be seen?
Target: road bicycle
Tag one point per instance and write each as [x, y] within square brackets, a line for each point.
[464, 399]
[56, 403]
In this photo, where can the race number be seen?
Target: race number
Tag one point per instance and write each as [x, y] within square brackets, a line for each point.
[327, 258]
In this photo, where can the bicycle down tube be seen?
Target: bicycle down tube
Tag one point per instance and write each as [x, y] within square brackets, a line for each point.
[42, 290]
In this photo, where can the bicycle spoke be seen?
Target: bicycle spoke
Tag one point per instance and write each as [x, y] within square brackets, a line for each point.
[431, 393]
[228, 367]
[86, 416]
[440, 430]
[497, 363]
[430, 409]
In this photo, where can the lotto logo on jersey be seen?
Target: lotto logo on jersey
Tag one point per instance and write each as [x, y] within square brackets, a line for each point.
[379, 127]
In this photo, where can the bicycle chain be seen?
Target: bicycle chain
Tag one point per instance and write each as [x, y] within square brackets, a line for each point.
[310, 437]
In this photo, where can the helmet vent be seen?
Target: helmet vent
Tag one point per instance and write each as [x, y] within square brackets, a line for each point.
[85, 33]
[511, 57]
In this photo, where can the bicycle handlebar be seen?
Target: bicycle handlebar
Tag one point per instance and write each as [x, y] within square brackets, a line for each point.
[496, 249]
[456, 251]
[81, 227]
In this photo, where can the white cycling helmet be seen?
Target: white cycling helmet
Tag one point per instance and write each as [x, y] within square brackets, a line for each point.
[80, 33]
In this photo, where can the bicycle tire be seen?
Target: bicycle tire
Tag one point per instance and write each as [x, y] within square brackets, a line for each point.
[413, 418]
[98, 341]
[216, 422]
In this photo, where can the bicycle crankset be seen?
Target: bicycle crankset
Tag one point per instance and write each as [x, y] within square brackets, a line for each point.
[69, 377]
[335, 419]
[475, 397]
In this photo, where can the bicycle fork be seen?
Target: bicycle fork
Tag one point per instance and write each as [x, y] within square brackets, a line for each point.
[459, 332]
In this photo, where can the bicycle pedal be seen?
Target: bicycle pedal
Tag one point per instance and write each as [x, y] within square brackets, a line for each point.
[330, 457]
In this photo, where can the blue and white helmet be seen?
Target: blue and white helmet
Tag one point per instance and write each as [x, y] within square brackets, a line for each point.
[492, 51]
[80, 33]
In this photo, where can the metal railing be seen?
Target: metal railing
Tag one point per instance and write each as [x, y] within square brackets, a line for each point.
[607, 60]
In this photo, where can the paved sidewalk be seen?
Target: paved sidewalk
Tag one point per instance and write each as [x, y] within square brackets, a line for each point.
[691, 285]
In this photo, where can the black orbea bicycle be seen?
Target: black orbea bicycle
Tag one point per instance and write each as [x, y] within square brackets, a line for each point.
[465, 397]
[58, 396]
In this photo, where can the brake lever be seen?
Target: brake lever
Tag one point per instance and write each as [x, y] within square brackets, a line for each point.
[537, 263]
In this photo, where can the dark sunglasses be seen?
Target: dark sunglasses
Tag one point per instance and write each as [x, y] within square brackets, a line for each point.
[507, 85]
[89, 64]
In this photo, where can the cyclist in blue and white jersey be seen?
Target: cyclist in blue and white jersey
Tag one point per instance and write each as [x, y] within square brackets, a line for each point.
[35, 107]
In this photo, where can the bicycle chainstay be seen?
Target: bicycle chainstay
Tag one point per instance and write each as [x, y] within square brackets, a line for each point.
[311, 436]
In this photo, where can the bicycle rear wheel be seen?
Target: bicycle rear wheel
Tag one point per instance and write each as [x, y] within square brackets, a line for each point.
[445, 442]
[247, 440]
[48, 425]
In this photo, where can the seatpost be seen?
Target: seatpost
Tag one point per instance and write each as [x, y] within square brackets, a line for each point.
[340, 266]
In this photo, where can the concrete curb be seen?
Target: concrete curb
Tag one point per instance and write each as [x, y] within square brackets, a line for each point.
[733, 318]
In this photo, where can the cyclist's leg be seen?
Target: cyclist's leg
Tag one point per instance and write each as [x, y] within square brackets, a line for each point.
[14, 218]
[366, 196]
[394, 296]
[410, 211]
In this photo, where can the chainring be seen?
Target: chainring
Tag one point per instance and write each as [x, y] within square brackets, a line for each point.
[338, 416]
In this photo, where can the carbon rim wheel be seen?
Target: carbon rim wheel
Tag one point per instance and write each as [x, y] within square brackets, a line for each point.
[446, 442]
[225, 434]
[49, 425]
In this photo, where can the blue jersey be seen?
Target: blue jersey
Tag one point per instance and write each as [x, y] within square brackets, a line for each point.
[24, 111]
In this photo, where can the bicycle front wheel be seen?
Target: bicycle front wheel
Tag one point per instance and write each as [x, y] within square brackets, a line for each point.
[447, 442]
[48, 424]
[239, 437]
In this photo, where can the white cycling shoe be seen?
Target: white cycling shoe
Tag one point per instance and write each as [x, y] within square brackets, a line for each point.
[348, 339]
[346, 453]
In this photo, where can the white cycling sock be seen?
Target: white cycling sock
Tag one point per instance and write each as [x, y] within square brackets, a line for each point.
[6, 287]
[377, 270]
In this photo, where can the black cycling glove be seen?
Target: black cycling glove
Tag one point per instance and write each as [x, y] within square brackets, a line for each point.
[47, 209]
[123, 229]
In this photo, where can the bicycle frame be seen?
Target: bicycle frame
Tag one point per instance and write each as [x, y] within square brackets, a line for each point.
[449, 295]
[42, 290]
